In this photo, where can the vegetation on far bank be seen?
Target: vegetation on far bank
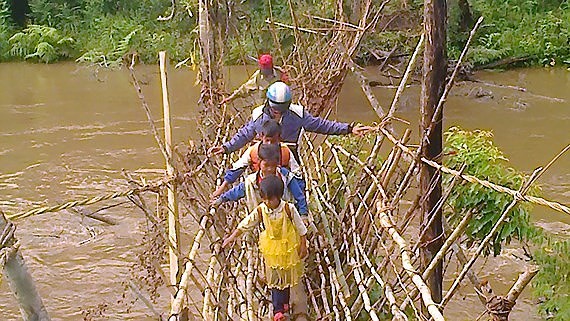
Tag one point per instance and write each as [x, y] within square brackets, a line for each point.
[532, 32]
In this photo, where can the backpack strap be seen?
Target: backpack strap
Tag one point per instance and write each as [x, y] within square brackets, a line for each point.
[288, 211]
[285, 155]
[259, 213]
[254, 157]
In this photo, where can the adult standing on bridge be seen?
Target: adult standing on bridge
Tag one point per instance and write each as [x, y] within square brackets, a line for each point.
[293, 118]
[261, 79]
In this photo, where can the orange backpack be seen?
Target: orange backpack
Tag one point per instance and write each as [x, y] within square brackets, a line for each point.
[254, 156]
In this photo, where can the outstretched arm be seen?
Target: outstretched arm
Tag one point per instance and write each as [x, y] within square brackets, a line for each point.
[243, 136]
[245, 89]
[330, 127]
[234, 194]
[324, 126]
[247, 224]
[229, 240]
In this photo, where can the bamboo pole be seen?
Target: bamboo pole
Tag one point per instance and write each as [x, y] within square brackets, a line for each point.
[404, 80]
[249, 286]
[207, 303]
[457, 232]
[473, 179]
[359, 275]
[178, 302]
[342, 279]
[487, 238]
[396, 312]
[18, 276]
[323, 286]
[500, 307]
[521, 283]
[386, 223]
[173, 221]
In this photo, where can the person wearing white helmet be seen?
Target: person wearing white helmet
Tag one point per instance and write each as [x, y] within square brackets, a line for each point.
[292, 117]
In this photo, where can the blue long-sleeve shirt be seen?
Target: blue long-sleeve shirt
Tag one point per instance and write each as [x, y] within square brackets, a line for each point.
[238, 191]
[292, 122]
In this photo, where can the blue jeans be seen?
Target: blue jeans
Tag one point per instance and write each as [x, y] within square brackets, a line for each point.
[279, 298]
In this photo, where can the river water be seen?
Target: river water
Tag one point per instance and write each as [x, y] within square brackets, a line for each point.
[66, 132]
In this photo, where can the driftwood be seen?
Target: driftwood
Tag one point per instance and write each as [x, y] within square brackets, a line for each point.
[19, 279]
[503, 62]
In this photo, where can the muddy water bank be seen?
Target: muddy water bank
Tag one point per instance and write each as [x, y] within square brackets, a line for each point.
[67, 131]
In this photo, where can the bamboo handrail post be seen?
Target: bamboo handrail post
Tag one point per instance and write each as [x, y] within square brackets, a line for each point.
[177, 303]
[335, 284]
[358, 276]
[366, 89]
[249, 285]
[313, 299]
[342, 279]
[395, 160]
[394, 307]
[173, 220]
[432, 308]
[324, 297]
[357, 273]
[404, 79]
[457, 232]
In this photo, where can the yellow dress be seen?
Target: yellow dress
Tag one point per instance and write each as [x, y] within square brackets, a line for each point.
[279, 245]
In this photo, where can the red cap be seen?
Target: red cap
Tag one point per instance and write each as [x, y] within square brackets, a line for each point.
[265, 62]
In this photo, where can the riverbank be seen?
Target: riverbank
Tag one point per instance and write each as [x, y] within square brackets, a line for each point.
[514, 33]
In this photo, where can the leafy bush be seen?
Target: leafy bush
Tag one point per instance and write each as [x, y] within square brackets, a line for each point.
[552, 283]
[5, 28]
[536, 29]
[40, 43]
[484, 160]
[111, 46]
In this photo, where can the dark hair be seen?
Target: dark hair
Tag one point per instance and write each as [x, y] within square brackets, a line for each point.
[271, 186]
[269, 152]
[271, 128]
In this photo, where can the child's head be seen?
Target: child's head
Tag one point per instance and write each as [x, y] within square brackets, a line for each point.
[270, 132]
[269, 158]
[271, 188]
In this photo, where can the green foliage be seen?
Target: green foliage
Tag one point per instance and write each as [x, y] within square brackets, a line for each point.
[40, 43]
[375, 294]
[552, 283]
[5, 29]
[537, 29]
[110, 48]
[104, 31]
[484, 160]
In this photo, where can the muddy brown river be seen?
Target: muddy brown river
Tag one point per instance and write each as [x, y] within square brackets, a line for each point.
[66, 132]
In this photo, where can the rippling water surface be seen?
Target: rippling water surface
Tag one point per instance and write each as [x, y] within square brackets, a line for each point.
[67, 131]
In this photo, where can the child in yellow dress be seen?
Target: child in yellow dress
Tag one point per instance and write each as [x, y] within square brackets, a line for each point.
[283, 243]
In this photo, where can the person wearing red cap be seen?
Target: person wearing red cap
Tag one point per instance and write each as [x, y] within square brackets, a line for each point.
[262, 78]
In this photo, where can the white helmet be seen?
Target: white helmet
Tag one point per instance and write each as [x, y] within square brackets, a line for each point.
[279, 96]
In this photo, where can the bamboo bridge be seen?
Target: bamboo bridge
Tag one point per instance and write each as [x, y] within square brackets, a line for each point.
[364, 200]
